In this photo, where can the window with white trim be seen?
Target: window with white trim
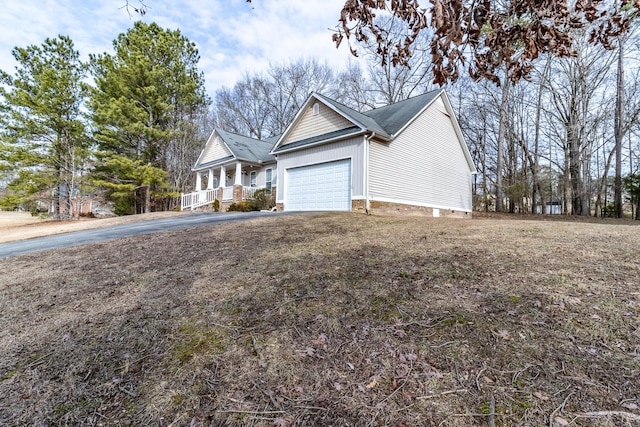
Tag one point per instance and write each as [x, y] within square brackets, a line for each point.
[268, 173]
[252, 178]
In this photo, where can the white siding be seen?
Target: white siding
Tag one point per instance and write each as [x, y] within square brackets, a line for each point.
[351, 148]
[310, 125]
[261, 176]
[214, 150]
[424, 165]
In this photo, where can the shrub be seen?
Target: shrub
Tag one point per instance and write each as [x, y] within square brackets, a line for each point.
[244, 206]
[262, 199]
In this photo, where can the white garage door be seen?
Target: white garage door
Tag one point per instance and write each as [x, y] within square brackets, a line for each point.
[322, 187]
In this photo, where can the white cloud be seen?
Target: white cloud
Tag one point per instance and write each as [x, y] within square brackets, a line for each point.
[233, 37]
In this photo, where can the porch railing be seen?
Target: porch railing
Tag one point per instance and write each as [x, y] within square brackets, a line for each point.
[248, 192]
[205, 197]
[198, 198]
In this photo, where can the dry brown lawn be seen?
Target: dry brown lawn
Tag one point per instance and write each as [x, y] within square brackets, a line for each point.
[21, 225]
[328, 319]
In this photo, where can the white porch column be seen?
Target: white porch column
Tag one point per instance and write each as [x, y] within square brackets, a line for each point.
[223, 177]
[198, 181]
[238, 180]
[210, 180]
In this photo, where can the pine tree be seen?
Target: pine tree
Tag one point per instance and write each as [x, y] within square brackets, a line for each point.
[146, 93]
[44, 141]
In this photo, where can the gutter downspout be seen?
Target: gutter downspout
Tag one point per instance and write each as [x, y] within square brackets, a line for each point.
[367, 143]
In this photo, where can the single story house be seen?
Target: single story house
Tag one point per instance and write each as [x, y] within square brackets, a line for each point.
[409, 156]
[234, 167]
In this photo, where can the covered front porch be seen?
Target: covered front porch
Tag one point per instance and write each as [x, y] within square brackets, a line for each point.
[225, 183]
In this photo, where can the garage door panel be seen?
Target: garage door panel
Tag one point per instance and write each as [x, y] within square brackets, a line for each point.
[325, 186]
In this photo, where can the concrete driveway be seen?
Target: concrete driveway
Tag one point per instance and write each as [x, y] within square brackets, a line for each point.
[125, 230]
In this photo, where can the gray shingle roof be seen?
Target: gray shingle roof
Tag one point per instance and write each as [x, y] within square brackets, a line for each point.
[394, 117]
[248, 149]
[324, 137]
[387, 120]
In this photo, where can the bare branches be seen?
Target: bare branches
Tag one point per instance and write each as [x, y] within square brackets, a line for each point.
[141, 9]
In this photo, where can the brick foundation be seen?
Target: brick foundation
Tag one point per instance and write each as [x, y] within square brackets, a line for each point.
[358, 206]
[385, 208]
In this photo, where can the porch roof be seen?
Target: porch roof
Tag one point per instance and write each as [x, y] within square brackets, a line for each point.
[213, 163]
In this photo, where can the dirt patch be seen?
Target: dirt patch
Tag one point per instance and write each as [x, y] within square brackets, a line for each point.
[332, 319]
[20, 226]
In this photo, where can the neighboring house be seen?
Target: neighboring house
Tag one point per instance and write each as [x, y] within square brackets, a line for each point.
[89, 204]
[552, 207]
[234, 166]
[409, 156]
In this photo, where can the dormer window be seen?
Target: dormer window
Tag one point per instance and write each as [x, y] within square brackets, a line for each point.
[316, 109]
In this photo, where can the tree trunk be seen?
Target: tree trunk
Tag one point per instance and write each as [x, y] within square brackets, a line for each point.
[575, 172]
[566, 182]
[602, 190]
[501, 138]
[617, 187]
[485, 187]
[147, 199]
[535, 167]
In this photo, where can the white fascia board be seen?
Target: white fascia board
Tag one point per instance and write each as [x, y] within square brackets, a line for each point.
[194, 168]
[422, 110]
[458, 130]
[321, 142]
[326, 101]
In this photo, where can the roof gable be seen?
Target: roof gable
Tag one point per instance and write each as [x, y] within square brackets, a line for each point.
[223, 146]
[331, 118]
[314, 119]
[214, 150]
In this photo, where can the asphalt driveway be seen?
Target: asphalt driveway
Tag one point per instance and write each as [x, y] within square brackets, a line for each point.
[125, 230]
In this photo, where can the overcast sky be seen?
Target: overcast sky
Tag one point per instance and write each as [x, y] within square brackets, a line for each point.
[233, 36]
